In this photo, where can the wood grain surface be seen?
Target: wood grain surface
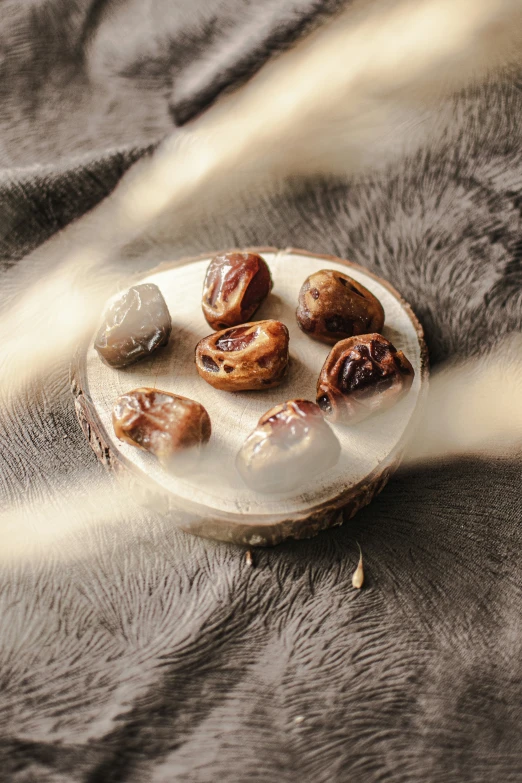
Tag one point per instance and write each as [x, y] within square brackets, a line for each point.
[212, 500]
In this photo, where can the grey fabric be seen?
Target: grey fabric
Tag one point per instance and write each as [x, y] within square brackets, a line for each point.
[139, 653]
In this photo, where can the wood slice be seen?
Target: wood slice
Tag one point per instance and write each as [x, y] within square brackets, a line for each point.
[213, 501]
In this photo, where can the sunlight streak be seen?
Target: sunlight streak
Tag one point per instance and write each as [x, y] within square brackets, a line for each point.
[326, 105]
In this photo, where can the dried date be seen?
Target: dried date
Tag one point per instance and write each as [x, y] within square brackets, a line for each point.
[333, 306]
[362, 375]
[235, 285]
[160, 422]
[290, 446]
[246, 357]
[133, 326]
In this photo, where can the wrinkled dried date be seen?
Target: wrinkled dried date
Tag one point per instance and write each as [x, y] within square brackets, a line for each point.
[133, 326]
[235, 285]
[362, 375]
[160, 422]
[250, 356]
[333, 307]
[290, 446]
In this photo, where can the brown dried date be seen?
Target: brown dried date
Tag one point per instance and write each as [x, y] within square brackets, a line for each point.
[234, 287]
[333, 307]
[160, 422]
[290, 446]
[133, 326]
[250, 356]
[362, 375]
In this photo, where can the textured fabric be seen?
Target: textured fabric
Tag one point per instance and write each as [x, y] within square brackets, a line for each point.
[134, 652]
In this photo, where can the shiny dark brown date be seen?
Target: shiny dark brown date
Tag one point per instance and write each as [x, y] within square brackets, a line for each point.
[362, 375]
[333, 306]
[235, 285]
[133, 326]
[160, 422]
[291, 445]
[246, 357]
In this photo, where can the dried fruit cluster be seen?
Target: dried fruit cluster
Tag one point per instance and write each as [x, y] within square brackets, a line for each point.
[292, 443]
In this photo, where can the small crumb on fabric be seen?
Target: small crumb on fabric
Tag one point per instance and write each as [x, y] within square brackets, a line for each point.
[358, 574]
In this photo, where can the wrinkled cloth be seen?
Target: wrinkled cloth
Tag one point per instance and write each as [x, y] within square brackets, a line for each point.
[139, 653]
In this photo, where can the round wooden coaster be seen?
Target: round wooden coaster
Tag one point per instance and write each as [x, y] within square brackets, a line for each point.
[212, 500]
